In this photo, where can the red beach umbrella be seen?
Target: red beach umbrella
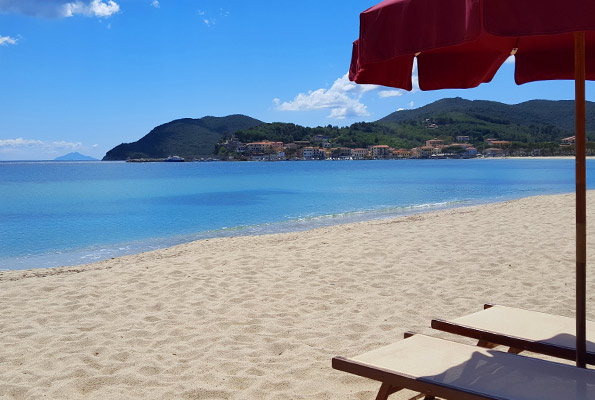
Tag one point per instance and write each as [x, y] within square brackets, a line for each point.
[462, 43]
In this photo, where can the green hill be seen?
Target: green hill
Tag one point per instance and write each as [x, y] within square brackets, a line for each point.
[539, 112]
[533, 125]
[537, 124]
[188, 138]
[532, 122]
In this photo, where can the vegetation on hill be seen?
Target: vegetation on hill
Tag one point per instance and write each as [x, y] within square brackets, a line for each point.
[533, 127]
[188, 138]
[537, 112]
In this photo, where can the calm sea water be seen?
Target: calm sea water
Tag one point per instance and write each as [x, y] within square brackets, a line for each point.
[55, 213]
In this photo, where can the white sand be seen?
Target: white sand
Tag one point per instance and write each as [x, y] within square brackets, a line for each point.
[261, 317]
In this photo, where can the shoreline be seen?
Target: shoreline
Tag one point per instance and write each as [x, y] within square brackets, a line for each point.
[239, 161]
[262, 316]
[100, 253]
[77, 268]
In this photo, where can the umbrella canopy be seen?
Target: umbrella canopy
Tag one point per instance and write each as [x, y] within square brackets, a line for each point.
[462, 43]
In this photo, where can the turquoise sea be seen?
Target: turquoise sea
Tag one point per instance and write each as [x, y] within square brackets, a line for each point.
[69, 213]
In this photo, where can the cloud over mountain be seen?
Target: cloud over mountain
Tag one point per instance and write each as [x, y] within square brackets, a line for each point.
[342, 98]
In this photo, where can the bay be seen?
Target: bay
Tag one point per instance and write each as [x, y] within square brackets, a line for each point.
[70, 213]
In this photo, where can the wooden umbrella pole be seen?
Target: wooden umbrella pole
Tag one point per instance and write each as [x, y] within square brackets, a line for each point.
[581, 200]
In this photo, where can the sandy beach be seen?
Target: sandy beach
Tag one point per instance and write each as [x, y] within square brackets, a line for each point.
[261, 317]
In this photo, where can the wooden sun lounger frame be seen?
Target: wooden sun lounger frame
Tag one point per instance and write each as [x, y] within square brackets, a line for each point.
[491, 339]
[392, 383]
[383, 365]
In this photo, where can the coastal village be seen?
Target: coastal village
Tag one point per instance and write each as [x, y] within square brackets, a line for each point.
[448, 128]
[319, 148]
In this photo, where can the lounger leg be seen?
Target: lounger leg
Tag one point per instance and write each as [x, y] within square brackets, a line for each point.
[486, 344]
[514, 350]
[386, 390]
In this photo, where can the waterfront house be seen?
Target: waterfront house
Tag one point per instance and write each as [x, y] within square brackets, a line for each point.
[435, 143]
[424, 151]
[358, 154]
[318, 153]
[402, 153]
[493, 152]
[380, 151]
[462, 139]
[307, 152]
[341, 152]
[569, 141]
[470, 152]
[262, 147]
[500, 143]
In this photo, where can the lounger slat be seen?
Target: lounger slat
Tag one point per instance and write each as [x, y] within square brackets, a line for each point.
[522, 329]
[404, 381]
[456, 371]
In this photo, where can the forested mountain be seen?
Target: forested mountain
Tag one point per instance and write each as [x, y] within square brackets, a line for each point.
[188, 138]
[536, 124]
[531, 124]
[558, 113]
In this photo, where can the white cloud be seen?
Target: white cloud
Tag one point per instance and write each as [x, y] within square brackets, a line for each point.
[342, 98]
[21, 143]
[155, 3]
[207, 17]
[96, 8]
[61, 8]
[509, 60]
[6, 40]
[389, 93]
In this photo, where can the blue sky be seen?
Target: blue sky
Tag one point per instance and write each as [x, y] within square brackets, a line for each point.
[87, 75]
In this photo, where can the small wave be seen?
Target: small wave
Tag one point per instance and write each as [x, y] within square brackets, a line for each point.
[292, 224]
[307, 222]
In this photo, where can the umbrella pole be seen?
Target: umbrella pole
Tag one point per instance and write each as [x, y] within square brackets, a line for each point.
[581, 200]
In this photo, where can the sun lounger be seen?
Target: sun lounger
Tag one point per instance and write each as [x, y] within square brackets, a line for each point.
[449, 370]
[520, 330]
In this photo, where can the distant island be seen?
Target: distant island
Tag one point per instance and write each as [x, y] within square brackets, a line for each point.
[447, 128]
[75, 156]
